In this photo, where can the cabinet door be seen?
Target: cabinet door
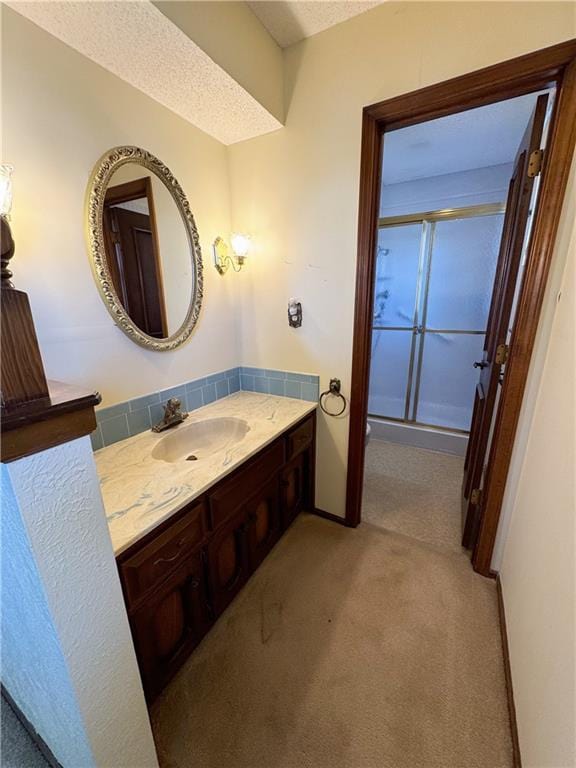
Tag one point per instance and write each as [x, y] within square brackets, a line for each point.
[263, 519]
[170, 623]
[228, 562]
[294, 486]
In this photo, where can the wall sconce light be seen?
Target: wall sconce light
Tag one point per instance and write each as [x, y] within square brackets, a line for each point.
[240, 247]
[6, 240]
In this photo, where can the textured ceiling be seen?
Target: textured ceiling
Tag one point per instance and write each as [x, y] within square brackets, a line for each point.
[290, 22]
[136, 42]
[477, 138]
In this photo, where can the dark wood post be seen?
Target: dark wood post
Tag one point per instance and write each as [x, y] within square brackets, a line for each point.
[22, 372]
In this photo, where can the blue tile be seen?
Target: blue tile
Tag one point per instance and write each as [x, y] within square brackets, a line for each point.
[156, 413]
[253, 371]
[232, 372]
[195, 384]
[247, 382]
[179, 392]
[261, 384]
[96, 439]
[114, 430]
[139, 421]
[234, 384]
[114, 410]
[222, 388]
[301, 377]
[145, 401]
[276, 387]
[272, 374]
[216, 377]
[292, 389]
[194, 399]
[209, 393]
[310, 392]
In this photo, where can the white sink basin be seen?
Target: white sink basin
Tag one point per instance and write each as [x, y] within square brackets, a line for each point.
[200, 439]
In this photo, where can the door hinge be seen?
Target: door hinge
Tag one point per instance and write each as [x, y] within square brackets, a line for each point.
[475, 497]
[535, 163]
[501, 354]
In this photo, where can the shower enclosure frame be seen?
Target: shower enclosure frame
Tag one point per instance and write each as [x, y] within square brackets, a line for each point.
[553, 66]
[419, 327]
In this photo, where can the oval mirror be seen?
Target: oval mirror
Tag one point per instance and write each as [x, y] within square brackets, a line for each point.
[144, 248]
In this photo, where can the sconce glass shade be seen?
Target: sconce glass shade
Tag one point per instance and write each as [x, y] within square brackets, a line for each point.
[5, 189]
[240, 245]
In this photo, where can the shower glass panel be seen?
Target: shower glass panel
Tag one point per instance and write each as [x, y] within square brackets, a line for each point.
[397, 276]
[448, 379]
[434, 280]
[389, 372]
[464, 256]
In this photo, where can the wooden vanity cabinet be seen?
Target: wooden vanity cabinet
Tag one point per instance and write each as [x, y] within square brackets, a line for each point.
[294, 488]
[228, 564]
[264, 521]
[170, 623]
[180, 577]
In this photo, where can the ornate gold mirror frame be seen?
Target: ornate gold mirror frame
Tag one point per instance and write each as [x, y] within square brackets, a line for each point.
[95, 195]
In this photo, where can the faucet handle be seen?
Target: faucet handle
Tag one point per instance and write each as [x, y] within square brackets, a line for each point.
[172, 406]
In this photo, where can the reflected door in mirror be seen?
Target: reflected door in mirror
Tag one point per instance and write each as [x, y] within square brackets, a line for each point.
[132, 251]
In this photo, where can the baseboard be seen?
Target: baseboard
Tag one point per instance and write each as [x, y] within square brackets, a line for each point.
[517, 759]
[45, 750]
[328, 516]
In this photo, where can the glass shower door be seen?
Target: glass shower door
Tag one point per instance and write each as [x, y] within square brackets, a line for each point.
[396, 295]
[461, 270]
[434, 282]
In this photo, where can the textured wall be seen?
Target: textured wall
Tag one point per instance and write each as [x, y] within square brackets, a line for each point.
[71, 663]
[34, 670]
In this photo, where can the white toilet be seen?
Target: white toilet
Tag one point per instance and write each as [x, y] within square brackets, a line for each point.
[368, 432]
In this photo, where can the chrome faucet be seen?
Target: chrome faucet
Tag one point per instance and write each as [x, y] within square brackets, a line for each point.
[172, 415]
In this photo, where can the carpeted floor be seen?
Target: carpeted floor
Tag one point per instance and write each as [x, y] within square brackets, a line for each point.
[347, 649]
[17, 750]
[414, 492]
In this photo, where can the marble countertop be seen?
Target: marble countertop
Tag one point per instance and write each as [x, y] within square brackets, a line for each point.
[140, 492]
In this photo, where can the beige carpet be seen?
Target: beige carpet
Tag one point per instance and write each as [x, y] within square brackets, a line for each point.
[347, 649]
[414, 492]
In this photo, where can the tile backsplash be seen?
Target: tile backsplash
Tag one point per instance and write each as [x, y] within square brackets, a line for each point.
[117, 422]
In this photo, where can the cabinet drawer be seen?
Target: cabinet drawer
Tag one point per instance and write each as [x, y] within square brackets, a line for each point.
[300, 438]
[232, 494]
[155, 560]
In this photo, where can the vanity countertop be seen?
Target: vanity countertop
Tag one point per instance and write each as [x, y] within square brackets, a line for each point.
[140, 492]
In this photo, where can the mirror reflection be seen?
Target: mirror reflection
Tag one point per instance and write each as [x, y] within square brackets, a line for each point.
[147, 250]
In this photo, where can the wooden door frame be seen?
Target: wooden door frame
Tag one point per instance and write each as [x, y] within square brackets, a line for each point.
[534, 71]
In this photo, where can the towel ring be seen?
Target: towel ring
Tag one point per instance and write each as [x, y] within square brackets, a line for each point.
[333, 389]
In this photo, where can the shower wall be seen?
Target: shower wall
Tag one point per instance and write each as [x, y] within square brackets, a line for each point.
[451, 190]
